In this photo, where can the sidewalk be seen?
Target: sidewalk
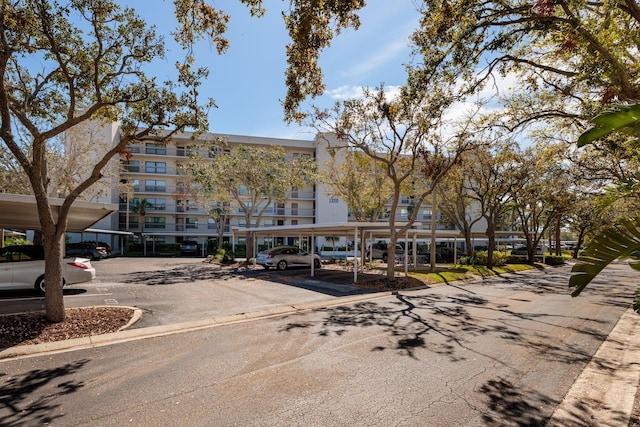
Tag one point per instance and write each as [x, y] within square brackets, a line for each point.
[605, 392]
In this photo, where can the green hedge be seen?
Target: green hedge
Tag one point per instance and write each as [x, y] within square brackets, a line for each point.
[522, 259]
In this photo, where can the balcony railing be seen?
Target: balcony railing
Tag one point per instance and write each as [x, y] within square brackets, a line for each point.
[155, 188]
[190, 229]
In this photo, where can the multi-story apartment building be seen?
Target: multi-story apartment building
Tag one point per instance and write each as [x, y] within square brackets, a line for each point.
[153, 173]
[172, 215]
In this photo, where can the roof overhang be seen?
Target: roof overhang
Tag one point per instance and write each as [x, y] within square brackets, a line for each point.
[20, 212]
[377, 229]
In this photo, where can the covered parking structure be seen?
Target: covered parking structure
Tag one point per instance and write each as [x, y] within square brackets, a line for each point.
[357, 230]
[20, 212]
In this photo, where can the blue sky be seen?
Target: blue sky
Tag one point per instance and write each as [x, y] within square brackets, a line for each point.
[247, 82]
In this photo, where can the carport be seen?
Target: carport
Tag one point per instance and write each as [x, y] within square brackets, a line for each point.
[20, 212]
[348, 229]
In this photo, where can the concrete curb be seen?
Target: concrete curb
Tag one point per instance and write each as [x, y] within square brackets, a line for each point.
[604, 393]
[125, 334]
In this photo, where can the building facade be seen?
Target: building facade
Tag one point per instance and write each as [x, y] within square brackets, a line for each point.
[152, 173]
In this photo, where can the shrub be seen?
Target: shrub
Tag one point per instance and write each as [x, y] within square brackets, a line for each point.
[554, 260]
[516, 259]
[224, 255]
[499, 258]
[466, 260]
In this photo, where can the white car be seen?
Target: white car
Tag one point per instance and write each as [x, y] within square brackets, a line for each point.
[22, 267]
[282, 257]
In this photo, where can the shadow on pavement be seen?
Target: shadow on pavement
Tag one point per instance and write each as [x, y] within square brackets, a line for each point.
[329, 281]
[431, 325]
[32, 397]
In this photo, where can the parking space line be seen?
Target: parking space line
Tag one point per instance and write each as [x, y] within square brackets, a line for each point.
[88, 295]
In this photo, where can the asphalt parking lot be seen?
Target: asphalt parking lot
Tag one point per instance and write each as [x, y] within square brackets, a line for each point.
[179, 289]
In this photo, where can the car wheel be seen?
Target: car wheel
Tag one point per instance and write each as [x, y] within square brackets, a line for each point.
[40, 284]
[88, 255]
[282, 265]
[385, 257]
[40, 287]
[316, 263]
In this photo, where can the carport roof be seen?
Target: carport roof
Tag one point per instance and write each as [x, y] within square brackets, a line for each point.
[20, 212]
[379, 229]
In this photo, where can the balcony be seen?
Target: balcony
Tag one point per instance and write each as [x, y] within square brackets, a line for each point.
[131, 168]
[302, 195]
[155, 188]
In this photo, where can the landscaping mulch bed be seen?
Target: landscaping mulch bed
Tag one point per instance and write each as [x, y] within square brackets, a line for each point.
[33, 328]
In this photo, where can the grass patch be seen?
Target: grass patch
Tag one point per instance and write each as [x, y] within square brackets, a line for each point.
[447, 274]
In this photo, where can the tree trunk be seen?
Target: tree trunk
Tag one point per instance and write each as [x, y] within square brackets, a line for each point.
[54, 301]
[557, 230]
[38, 238]
[250, 251]
[469, 244]
[391, 255]
[491, 243]
[576, 250]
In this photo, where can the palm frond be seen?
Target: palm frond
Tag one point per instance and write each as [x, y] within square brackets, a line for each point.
[611, 244]
[621, 118]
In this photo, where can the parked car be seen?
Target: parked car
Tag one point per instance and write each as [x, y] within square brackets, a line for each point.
[105, 245]
[189, 247]
[379, 251]
[282, 257]
[91, 250]
[22, 267]
[522, 250]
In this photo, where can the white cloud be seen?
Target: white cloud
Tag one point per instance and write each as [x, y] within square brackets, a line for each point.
[345, 92]
[380, 57]
[355, 92]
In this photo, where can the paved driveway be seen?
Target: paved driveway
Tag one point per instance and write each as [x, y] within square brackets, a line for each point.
[171, 290]
[498, 352]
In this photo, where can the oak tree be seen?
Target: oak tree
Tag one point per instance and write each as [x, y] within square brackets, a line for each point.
[66, 65]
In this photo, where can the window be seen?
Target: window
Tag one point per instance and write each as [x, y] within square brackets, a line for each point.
[155, 167]
[153, 148]
[136, 184]
[304, 155]
[192, 205]
[134, 148]
[294, 209]
[191, 223]
[155, 185]
[157, 204]
[154, 222]
[216, 151]
[131, 166]
[280, 208]
[186, 151]
[24, 253]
